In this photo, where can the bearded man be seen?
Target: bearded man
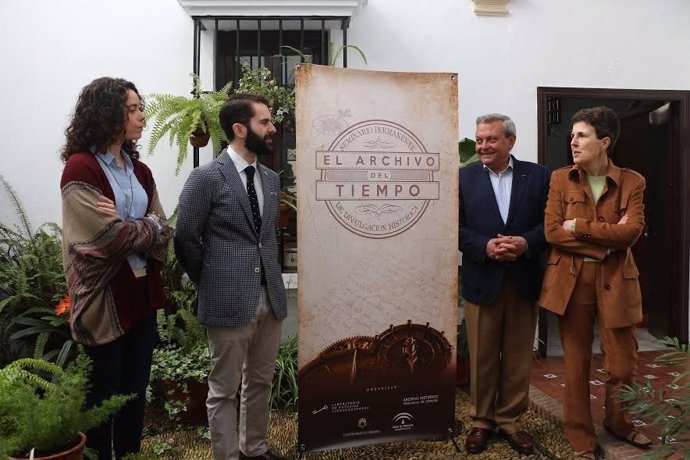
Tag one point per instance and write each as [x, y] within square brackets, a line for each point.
[226, 241]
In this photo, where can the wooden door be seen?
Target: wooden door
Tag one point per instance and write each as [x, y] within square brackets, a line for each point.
[660, 152]
[645, 147]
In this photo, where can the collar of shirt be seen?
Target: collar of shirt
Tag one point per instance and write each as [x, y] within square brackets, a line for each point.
[241, 165]
[509, 167]
[109, 159]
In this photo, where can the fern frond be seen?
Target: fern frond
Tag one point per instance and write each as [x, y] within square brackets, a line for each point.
[18, 207]
[19, 370]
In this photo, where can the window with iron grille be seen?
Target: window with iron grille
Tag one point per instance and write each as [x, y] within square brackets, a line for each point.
[277, 44]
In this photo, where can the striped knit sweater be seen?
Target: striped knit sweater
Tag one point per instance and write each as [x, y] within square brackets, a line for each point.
[106, 298]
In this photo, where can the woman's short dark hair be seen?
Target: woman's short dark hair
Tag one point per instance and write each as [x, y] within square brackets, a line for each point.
[99, 118]
[604, 121]
[239, 109]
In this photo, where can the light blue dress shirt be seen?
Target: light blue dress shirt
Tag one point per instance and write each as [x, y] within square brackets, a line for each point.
[502, 183]
[131, 200]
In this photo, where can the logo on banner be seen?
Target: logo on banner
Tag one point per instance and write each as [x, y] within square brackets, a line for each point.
[377, 178]
[404, 421]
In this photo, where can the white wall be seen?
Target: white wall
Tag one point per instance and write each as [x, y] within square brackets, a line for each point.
[502, 60]
[50, 50]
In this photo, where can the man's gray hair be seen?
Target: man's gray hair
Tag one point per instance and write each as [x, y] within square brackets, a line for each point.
[508, 124]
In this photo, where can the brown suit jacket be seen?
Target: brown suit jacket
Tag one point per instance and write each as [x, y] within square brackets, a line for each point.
[598, 236]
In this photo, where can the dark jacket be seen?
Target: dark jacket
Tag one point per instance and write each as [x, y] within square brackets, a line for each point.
[217, 244]
[480, 221]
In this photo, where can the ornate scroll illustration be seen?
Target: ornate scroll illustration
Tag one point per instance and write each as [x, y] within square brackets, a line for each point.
[401, 354]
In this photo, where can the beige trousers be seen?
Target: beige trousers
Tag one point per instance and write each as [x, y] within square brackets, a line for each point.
[619, 347]
[500, 338]
[245, 354]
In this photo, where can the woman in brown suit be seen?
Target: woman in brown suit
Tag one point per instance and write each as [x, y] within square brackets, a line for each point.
[594, 214]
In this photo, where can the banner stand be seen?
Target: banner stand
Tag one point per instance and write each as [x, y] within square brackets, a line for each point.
[377, 197]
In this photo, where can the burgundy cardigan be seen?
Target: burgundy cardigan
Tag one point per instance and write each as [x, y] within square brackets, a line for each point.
[131, 304]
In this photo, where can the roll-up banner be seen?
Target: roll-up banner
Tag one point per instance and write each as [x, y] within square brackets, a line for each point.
[377, 185]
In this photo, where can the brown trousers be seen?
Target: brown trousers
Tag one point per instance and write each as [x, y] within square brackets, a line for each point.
[619, 348]
[501, 339]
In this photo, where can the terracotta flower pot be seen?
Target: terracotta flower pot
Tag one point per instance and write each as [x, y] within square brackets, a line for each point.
[75, 453]
[284, 215]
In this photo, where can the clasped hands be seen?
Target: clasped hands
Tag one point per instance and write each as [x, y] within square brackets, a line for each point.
[506, 248]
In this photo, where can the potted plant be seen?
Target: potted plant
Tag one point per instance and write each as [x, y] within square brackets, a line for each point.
[187, 119]
[180, 367]
[42, 409]
[181, 361]
[260, 81]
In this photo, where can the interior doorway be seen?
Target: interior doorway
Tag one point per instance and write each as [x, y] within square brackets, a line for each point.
[654, 141]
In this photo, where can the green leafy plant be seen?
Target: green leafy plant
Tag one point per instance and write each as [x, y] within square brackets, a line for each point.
[179, 117]
[42, 406]
[672, 415]
[260, 81]
[31, 273]
[466, 150]
[284, 389]
[181, 361]
[181, 357]
[49, 326]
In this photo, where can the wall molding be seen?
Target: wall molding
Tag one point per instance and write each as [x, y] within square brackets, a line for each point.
[490, 7]
[209, 8]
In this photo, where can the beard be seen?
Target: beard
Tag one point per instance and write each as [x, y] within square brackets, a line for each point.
[257, 145]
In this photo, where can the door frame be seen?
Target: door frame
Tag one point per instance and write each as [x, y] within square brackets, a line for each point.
[680, 148]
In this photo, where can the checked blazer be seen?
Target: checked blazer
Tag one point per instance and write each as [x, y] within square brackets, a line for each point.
[217, 244]
[480, 220]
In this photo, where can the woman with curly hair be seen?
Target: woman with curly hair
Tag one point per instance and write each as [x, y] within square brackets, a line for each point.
[114, 243]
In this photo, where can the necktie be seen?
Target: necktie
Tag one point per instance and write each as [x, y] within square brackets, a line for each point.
[253, 200]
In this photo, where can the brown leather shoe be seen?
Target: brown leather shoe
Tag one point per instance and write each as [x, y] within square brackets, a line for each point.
[521, 442]
[477, 439]
[268, 455]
